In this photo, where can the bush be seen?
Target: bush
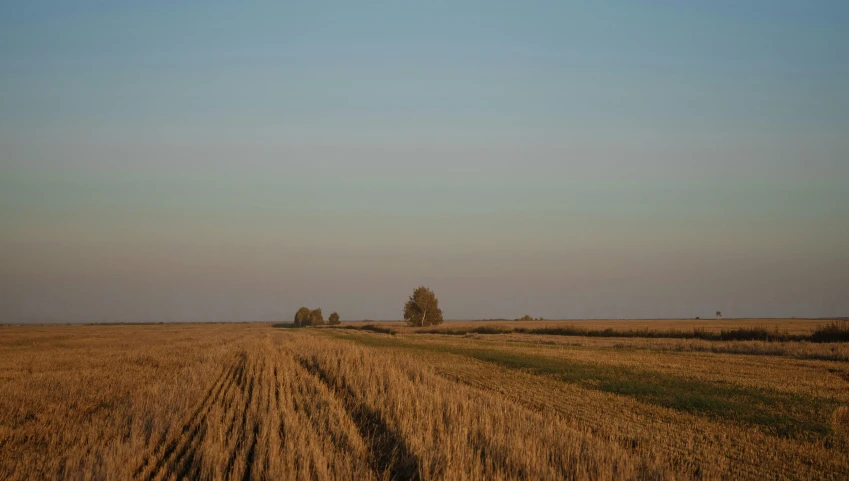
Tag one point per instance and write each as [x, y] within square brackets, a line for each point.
[373, 328]
[746, 334]
[834, 331]
[492, 330]
[333, 320]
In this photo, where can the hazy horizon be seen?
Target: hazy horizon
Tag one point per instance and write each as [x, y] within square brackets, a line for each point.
[192, 162]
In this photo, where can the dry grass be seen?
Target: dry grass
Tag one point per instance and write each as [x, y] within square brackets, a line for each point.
[768, 330]
[790, 326]
[840, 421]
[824, 379]
[798, 350]
[245, 401]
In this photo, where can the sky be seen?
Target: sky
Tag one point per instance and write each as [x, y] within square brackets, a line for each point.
[233, 161]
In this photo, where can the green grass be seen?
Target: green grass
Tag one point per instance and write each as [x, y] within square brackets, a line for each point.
[779, 413]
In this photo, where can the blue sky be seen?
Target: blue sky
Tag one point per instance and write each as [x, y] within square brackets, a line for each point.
[191, 161]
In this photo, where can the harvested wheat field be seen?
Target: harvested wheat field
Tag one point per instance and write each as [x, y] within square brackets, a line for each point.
[255, 401]
[790, 326]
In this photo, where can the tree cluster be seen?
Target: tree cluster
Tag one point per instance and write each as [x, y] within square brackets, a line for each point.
[306, 317]
[421, 309]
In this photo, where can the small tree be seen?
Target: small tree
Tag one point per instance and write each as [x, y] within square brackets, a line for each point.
[422, 308]
[316, 317]
[302, 317]
[333, 320]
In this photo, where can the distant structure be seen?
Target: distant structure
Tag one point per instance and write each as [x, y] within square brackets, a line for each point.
[719, 314]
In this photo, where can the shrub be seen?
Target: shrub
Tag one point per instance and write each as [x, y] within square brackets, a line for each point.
[373, 328]
[745, 334]
[333, 320]
[492, 330]
[834, 331]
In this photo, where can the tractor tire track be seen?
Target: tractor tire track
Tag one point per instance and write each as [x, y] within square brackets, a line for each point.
[263, 408]
[190, 466]
[193, 429]
[180, 445]
[161, 445]
[248, 384]
[188, 462]
[388, 450]
[185, 455]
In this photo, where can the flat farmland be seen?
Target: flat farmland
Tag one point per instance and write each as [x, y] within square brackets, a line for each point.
[792, 326]
[255, 401]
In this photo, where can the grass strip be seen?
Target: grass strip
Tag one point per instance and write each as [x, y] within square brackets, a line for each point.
[781, 414]
[835, 331]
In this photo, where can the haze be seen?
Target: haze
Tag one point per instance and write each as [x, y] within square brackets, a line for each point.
[185, 161]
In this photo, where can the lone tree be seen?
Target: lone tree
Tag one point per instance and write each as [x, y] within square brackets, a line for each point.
[422, 308]
[302, 317]
[333, 320]
[316, 317]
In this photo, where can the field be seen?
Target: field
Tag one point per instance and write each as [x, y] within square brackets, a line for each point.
[257, 401]
[788, 325]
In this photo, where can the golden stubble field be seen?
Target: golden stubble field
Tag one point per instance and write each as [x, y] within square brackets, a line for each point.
[792, 326]
[252, 401]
